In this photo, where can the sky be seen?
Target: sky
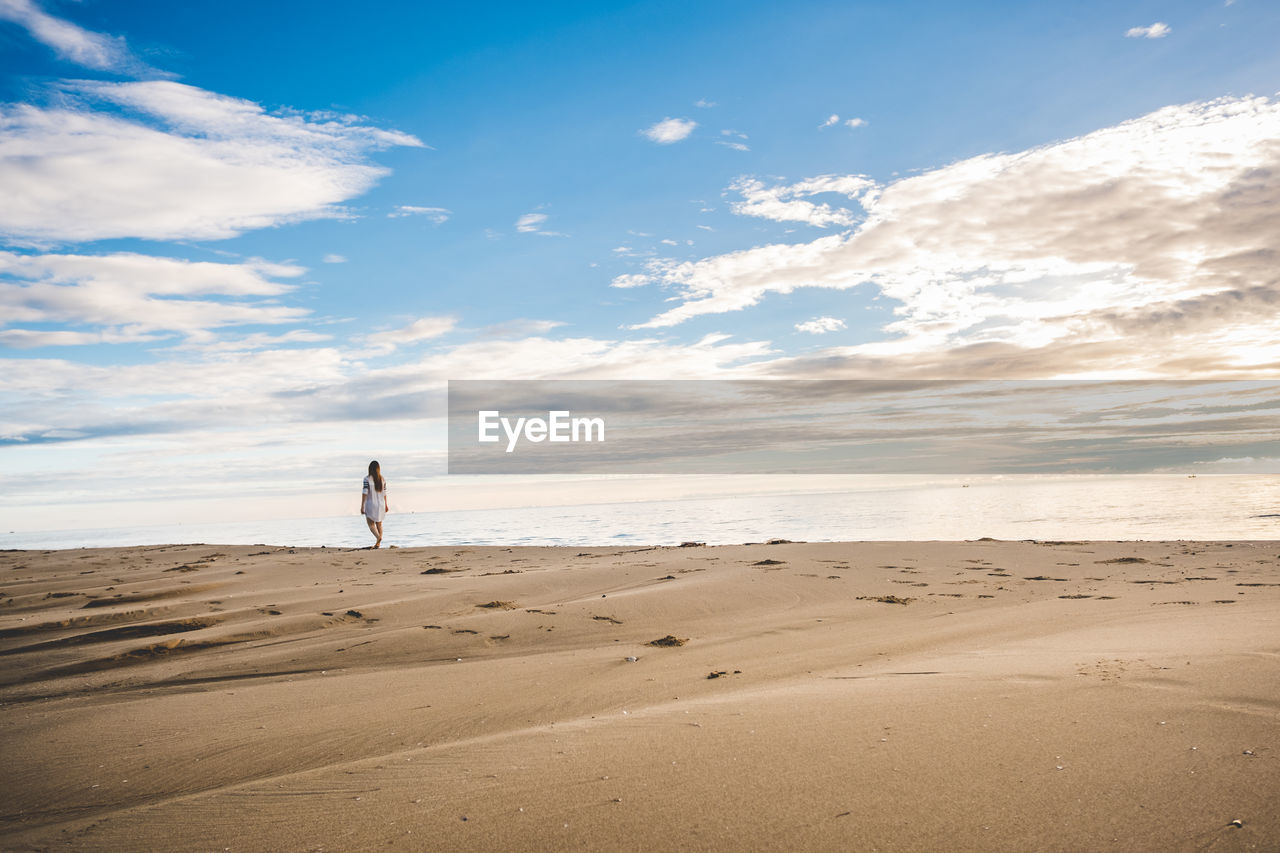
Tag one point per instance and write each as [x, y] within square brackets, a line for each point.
[245, 246]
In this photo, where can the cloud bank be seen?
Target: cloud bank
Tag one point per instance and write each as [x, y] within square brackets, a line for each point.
[1130, 248]
[126, 297]
[166, 161]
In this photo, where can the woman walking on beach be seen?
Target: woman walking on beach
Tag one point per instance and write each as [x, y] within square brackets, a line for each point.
[373, 501]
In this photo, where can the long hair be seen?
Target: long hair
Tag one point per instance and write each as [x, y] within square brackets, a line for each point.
[375, 477]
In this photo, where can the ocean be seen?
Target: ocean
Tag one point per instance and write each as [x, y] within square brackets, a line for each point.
[1131, 507]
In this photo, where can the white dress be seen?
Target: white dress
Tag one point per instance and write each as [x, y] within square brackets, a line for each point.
[375, 501]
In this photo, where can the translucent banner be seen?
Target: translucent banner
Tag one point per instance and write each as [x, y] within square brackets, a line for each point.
[858, 426]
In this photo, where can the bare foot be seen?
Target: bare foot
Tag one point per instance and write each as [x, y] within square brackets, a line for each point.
[378, 544]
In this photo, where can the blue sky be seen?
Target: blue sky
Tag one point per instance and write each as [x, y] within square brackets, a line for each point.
[245, 245]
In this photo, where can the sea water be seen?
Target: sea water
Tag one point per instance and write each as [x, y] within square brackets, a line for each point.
[1130, 507]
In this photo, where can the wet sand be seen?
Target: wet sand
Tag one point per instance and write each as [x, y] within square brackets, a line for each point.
[838, 696]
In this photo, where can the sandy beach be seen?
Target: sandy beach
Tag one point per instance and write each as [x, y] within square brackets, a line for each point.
[973, 695]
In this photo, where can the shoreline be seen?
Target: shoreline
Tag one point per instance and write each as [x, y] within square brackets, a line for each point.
[984, 694]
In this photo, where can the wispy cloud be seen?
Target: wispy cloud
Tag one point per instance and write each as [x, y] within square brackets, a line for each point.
[704, 103]
[181, 163]
[821, 325]
[632, 280]
[786, 203]
[520, 328]
[128, 297]
[1146, 246]
[436, 215]
[736, 146]
[670, 130]
[70, 42]
[307, 387]
[38, 338]
[219, 342]
[532, 223]
[422, 329]
[834, 119]
[332, 258]
[1158, 30]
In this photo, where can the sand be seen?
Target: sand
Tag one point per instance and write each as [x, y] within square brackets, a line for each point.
[858, 696]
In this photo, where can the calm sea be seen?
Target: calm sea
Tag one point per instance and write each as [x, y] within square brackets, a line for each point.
[1144, 507]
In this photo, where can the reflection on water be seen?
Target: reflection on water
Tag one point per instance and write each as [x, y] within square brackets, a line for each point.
[1146, 507]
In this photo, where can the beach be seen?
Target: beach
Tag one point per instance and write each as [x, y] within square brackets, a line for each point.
[975, 695]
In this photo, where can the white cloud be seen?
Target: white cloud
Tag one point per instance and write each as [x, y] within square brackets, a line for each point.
[332, 258]
[712, 356]
[834, 119]
[180, 163]
[308, 386]
[1148, 246]
[736, 146]
[520, 328]
[436, 215]
[704, 103]
[786, 204]
[36, 338]
[211, 342]
[531, 223]
[422, 329]
[821, 325]
[129, 297]
[70, 42]
[670, 130]
[1158, 30]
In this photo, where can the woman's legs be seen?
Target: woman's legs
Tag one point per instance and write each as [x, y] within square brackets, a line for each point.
[375, 527]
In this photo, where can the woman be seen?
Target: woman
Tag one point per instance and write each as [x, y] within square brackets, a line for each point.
[373, 501]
